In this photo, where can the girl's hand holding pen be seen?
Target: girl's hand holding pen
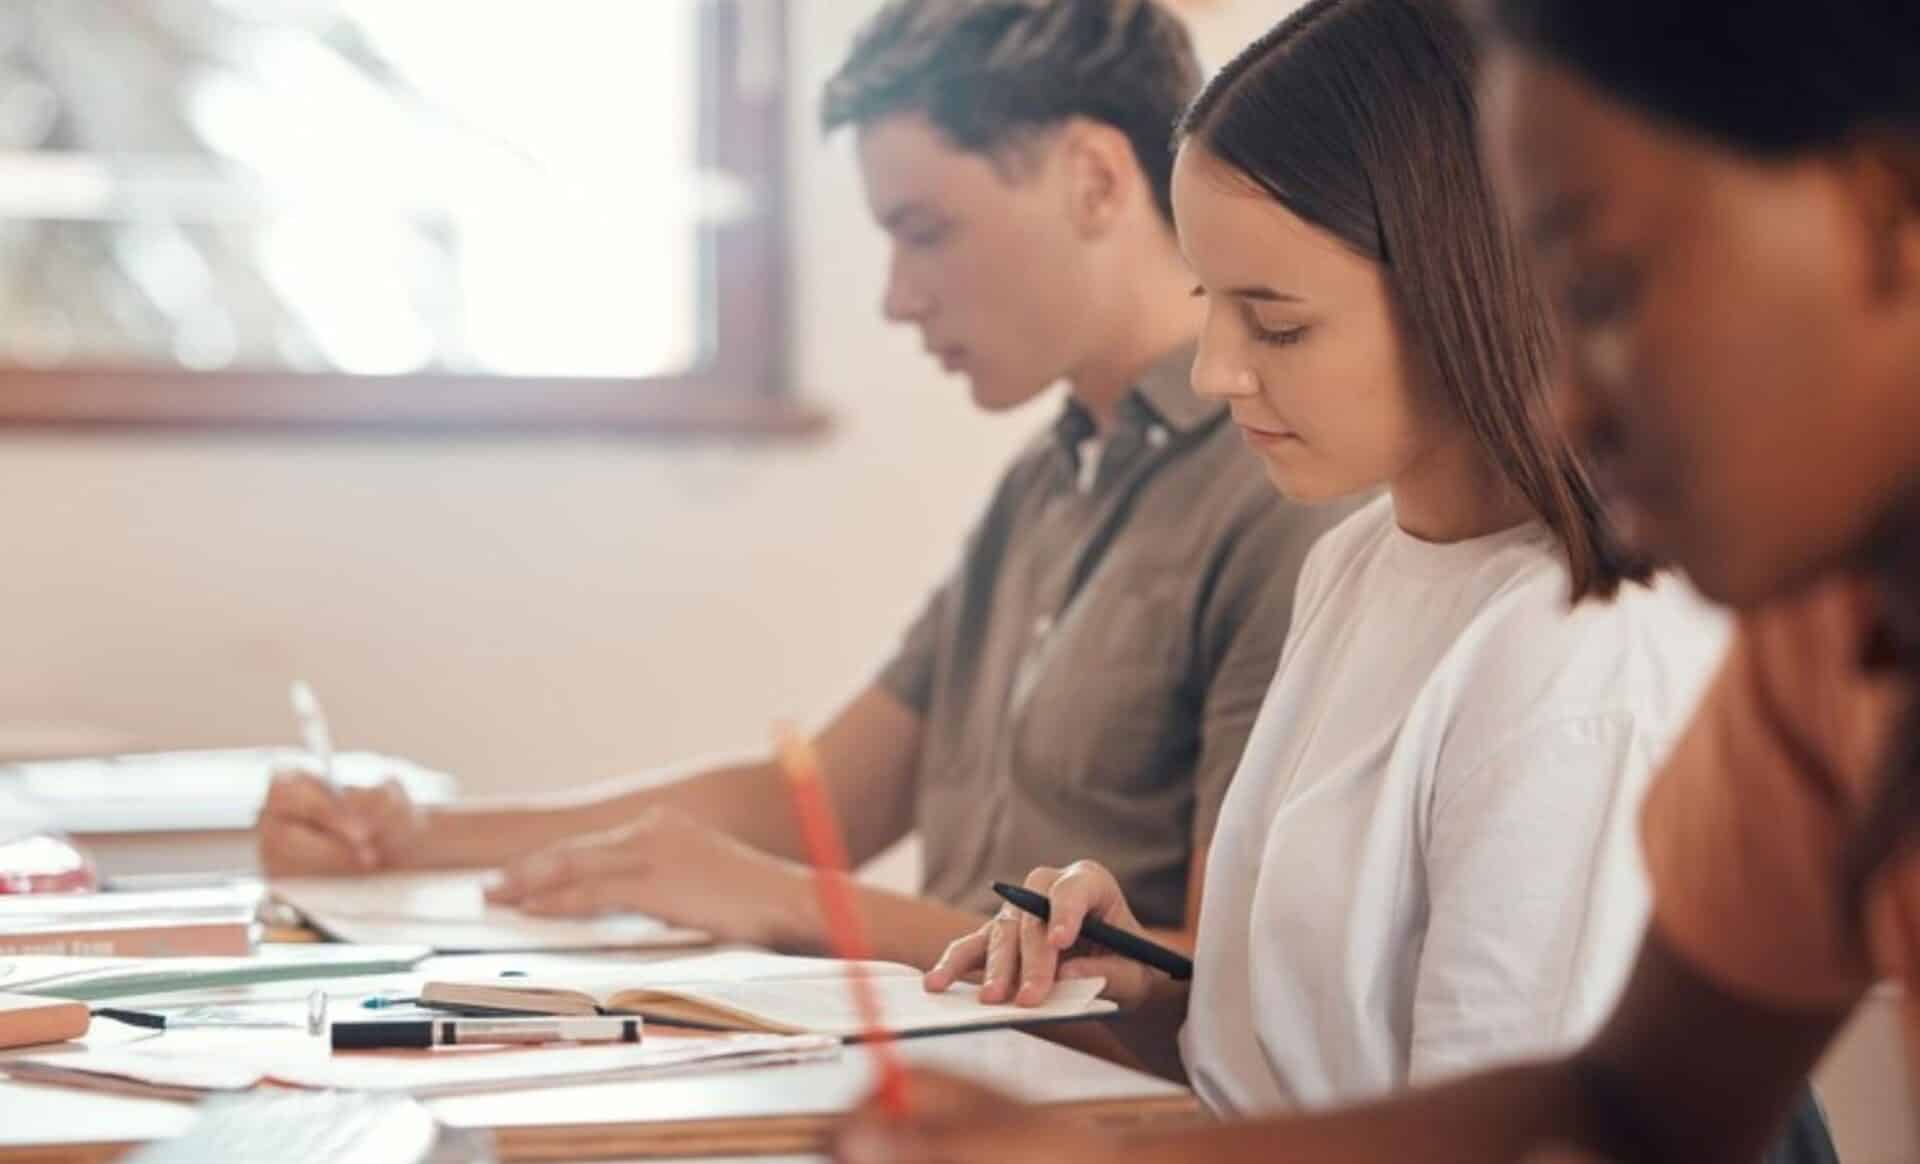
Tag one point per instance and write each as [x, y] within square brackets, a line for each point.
[1021, 957]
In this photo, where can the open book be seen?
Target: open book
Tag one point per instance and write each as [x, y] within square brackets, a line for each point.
[748, 991]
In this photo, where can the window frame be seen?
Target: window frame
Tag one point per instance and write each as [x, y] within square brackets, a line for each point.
[740, 389]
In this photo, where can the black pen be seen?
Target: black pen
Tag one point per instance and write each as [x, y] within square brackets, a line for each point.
[146, 1020]
[1175, 965]
[154, 1021]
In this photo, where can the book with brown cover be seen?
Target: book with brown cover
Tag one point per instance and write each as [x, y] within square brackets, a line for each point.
[142, 924]
[165, 939]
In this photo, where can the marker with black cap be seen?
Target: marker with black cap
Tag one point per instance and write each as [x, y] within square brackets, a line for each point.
[438, 1032]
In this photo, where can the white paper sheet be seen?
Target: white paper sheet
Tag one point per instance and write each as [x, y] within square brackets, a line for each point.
[449, 912]
[182, 1063]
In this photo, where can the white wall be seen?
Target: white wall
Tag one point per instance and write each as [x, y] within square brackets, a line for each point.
[522, 612]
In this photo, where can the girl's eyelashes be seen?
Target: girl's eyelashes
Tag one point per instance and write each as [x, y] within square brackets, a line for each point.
[1272, 336]
[1280, 337]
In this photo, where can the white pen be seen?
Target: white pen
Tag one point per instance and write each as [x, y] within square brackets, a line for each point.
[414, 1033]
[313, 728]
[319, 744]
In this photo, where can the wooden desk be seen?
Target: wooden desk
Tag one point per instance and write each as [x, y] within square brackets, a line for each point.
[749, 1112]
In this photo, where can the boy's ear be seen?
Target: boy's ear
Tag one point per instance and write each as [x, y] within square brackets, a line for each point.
[1102, 175]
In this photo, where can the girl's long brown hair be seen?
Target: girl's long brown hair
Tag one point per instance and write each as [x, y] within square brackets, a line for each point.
[1358, 117]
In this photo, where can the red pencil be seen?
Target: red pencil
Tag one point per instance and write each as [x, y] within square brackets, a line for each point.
[833, 883]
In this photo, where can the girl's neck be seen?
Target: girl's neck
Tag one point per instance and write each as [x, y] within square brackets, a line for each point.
[1452, 492]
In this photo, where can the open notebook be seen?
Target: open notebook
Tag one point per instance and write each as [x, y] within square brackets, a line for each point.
[449, 912]
[748, 991]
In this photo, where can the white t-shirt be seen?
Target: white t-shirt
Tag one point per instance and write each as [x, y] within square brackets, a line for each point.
[1427, 860]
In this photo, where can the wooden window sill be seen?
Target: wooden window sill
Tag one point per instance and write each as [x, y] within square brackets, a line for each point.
[146, 399]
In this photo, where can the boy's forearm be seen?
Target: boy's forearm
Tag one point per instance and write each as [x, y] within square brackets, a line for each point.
[477, 836]
[899, 927]
[732, 799]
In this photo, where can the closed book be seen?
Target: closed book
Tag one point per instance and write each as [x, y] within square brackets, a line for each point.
[153, 924]
[27, 1021]
[163, 940]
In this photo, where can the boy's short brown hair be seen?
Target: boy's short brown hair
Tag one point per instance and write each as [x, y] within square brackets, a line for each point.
[987, 72]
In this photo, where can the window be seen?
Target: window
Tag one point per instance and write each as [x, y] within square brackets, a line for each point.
[437, 213]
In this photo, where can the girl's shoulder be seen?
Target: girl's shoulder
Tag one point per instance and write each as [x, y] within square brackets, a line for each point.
[1530, 657]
